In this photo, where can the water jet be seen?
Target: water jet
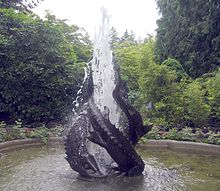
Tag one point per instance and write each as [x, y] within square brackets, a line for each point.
[96, 140]
[96, 124]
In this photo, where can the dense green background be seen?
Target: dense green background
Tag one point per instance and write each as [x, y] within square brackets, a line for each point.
[173, 79]
[41, 65]
[177, 72]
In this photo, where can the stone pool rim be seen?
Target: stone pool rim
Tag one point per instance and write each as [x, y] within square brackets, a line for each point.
[9, 146]
[182, 146]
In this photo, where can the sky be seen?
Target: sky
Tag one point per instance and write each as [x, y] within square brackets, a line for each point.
[137, 15]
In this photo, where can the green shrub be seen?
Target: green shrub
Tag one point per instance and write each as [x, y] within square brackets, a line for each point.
[173, 134]
[197, 110]
[153, 134]
[213, 139]
[17, 132]
[213, 88]
[41, 133]
[183, 135]
[41, 66]
[2, 130]
[13, 132]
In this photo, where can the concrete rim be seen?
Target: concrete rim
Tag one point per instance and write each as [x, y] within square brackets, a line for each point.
[183, 146]
[27, 143]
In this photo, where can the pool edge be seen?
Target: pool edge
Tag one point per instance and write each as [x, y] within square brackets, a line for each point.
[182, 146]
[27, 143]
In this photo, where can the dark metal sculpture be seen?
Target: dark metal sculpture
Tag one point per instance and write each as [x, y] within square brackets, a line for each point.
[92, 125]
[135, 129]
[77, 152]
[109, 137]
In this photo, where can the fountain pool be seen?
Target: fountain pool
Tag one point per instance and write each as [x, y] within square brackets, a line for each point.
[45, 169]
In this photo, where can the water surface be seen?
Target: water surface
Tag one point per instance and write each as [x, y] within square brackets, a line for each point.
[45, 169]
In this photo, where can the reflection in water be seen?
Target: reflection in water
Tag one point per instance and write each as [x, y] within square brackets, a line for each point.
[45, 169]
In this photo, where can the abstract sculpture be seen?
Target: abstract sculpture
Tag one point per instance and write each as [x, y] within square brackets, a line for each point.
[93, 126]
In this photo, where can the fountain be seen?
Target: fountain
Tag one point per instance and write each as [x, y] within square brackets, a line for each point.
[96, 140]
[44, 168]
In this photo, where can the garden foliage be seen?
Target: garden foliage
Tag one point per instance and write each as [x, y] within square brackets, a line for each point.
[41, 66]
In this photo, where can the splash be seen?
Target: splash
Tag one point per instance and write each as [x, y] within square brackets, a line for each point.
[94, 142]
[104, 83]
[103, 75]
[103, 70]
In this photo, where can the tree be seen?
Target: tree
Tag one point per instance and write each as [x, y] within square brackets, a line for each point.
[114, 39]
[177, 67]
[197, 110]
[128, 38]
[40, 72]
[129, 58]
[189, 31]
[21, 5]
[75, 35]
[213, 88]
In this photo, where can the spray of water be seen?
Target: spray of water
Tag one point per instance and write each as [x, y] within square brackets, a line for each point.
[79, 97]
[103, 75]
[104, 81]
[103, 70]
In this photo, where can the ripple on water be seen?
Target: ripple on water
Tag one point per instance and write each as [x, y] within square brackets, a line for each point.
[45, 169]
